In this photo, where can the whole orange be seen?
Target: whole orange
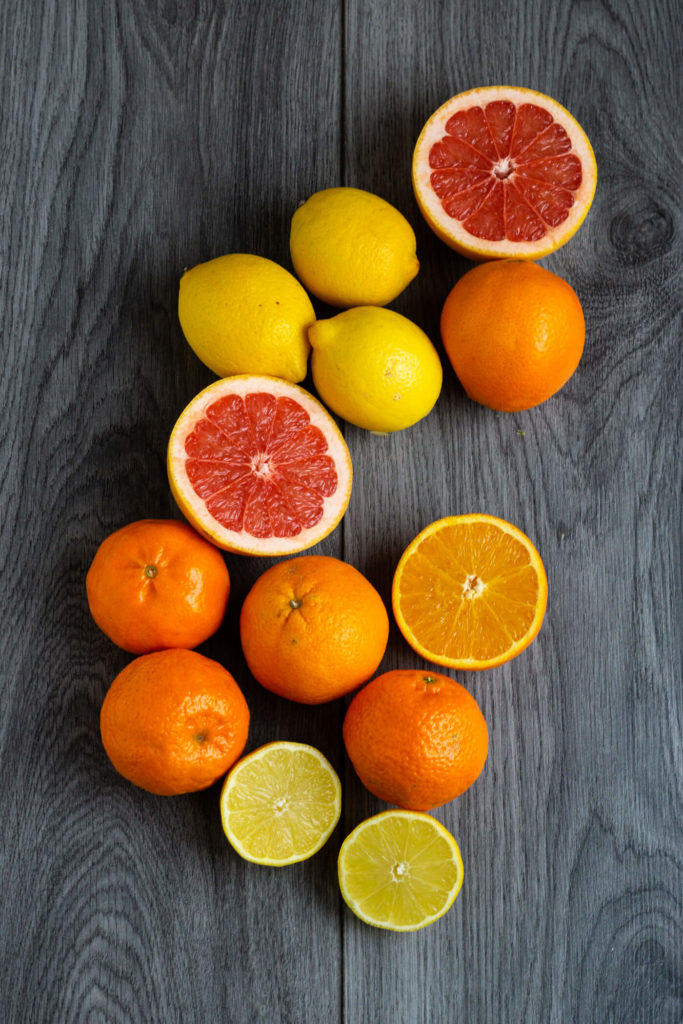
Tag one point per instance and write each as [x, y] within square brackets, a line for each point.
[416, 739]
[313, 629]
[155, 584]
[514, 333]
[173, 722]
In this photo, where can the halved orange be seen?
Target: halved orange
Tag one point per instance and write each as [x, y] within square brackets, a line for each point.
[503, 171]
[470, 592]
[259, 466]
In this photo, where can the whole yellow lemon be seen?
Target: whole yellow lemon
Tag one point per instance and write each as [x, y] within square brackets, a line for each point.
[375, 368]
[352, 248]
[246, 314]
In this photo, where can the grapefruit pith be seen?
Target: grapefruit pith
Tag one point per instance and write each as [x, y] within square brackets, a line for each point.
[503, 171]
[258, 466]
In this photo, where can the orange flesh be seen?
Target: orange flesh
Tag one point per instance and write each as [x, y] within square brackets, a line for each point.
[469, 591]
[505, 171]
[260, 465]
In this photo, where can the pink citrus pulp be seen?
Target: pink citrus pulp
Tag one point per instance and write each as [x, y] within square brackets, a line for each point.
[503, 171]
[258, 466]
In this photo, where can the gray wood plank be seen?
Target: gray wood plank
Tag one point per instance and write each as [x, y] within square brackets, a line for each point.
[138, 139]
[571, 838]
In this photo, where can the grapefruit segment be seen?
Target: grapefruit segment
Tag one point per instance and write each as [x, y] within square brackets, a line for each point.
[488, 219]
[500, 118]
[464, 204]
[259, 466]
[522, 221]
[503, 171]
[472, 128]
[551, 202]
[532, 120]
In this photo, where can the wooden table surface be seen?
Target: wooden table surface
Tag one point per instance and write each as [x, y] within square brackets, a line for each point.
[142, 137]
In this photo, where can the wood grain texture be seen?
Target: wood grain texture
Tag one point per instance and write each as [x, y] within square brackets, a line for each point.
[140, 138]
[143, 137]
[571, 838]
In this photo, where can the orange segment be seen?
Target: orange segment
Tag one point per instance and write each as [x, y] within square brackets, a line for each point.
[470, 592]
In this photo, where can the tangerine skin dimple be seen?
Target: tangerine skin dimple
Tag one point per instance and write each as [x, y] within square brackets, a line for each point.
[155, 584]
[415, 739]
[313, 629]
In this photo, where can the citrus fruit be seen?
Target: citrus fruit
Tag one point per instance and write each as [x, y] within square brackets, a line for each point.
[375, 368]
[415, 738]
[470, 592]
[173, 722]
[400, 870]
[280, 803]
[503, 171]
[246, 314]
[514, 333]
[313, 629]
[352, 248]
[156, 583]
[258, 466]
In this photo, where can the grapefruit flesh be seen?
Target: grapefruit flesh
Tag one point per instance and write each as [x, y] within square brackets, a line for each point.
[259, 466]
[503, 171]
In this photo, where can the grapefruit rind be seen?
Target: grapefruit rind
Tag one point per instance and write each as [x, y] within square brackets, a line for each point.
[471, 664]
[194, 508]
[450, 230]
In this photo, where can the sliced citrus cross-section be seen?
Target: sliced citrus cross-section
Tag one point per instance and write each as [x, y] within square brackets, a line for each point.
[400, 870]
[503, 171]
[259, 466]
[280, 803]
[470, 592]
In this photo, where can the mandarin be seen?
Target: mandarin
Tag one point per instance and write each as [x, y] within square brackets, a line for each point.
[156, 584]
[415, 738]
[514, 333]
[313, 629]
[173, 722]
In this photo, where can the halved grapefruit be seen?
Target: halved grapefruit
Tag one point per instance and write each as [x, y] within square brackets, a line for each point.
[503, 171]
[258, 466]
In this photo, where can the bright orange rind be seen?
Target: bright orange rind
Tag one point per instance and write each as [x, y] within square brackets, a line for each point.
[470, 592]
